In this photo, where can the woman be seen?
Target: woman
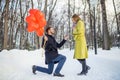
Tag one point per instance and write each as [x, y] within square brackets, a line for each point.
[80, 52]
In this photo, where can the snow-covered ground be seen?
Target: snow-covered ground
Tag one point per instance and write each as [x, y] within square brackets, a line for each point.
[16, 65]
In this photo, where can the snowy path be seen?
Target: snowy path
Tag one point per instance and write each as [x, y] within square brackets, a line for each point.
[16, 65]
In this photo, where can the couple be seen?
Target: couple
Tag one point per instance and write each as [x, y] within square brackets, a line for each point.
[51, 53]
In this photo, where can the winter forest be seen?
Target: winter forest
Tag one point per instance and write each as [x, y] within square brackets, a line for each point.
[21, 53]
[102, 20]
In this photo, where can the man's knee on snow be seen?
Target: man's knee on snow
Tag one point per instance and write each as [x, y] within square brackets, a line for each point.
[49, 72]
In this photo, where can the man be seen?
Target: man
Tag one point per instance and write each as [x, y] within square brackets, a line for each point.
[51, 54]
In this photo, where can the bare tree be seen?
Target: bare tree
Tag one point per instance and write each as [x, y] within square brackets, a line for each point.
[45, 8]
[84, 12]
[2, 11]
[22, 27]
[69, 29]
[32, 4]
[106, 37]
[39, 4]
[6, 24]
[13, 32]
[117, 22]
[91, 26]
[99, 32]
[12, 23]
[16, 24]
[50, 12]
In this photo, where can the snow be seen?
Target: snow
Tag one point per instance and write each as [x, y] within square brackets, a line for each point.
[16, 65]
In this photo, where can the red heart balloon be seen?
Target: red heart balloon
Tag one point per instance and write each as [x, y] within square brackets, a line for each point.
[35, 25]
[30, 18]
[36, 22]
[40, 32]
[30, 28]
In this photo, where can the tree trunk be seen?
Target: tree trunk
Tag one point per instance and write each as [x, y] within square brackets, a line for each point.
[117, 22]
[36, 41]
[39, 4]
[74, 6]
[11, 24]
[84, 13]
[45, 8]
[99, 33]
[50, 13]
[6, 25]
[32, 4]
[69, 29]
[21, 27]
[91, 26]
[1, 29]
[106, 38]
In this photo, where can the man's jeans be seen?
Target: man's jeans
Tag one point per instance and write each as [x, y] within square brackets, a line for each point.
[60, 59]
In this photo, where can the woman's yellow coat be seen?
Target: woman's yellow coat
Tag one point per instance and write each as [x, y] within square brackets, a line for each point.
[81, 51]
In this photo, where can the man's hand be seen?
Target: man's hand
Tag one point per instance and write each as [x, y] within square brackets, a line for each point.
[45, 38]
[66, 37]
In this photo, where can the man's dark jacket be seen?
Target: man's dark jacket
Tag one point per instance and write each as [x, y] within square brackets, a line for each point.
[51, 46]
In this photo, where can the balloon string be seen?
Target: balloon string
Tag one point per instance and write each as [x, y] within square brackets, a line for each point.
[44, 42]
[43, 48]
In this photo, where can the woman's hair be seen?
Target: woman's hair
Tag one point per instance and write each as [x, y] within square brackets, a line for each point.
[47, 29]
[76, 17]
